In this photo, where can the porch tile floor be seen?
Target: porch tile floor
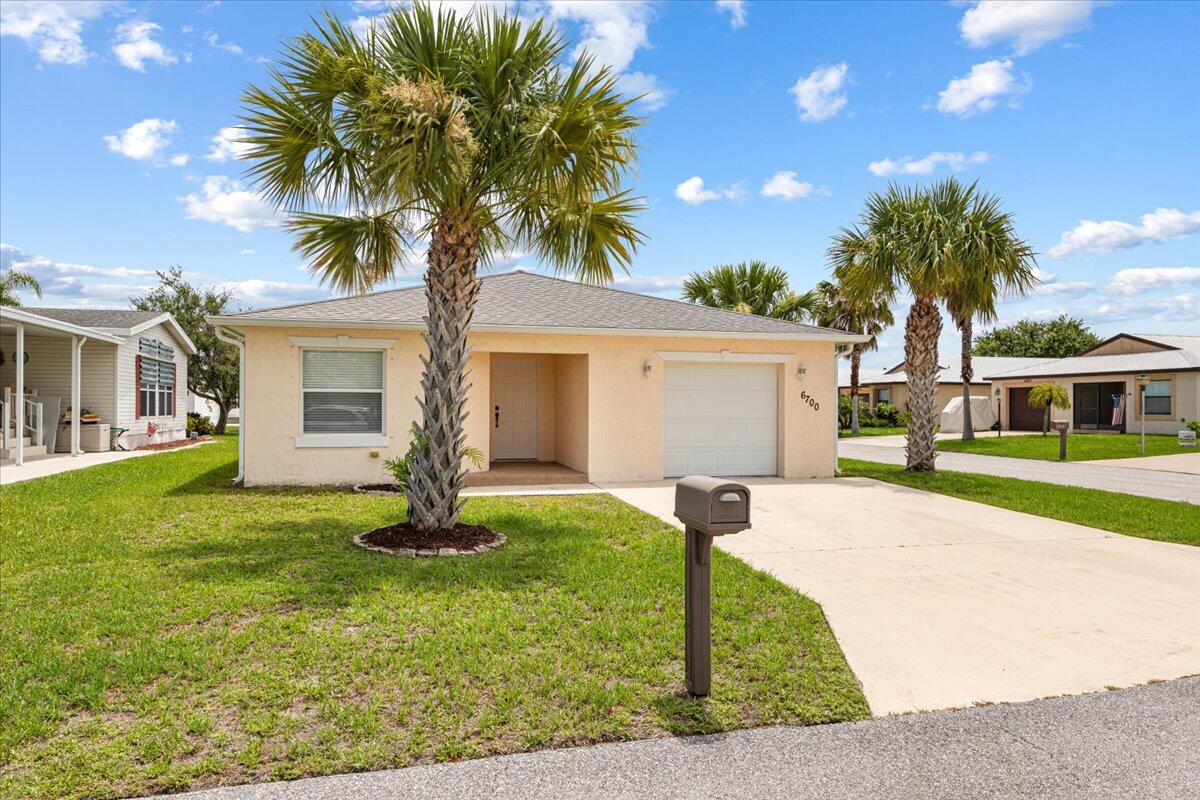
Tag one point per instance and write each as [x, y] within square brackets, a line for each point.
[526, 473]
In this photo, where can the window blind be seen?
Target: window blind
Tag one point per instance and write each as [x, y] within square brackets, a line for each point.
[342, 391]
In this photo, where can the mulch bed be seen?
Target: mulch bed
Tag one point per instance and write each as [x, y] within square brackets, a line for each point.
[378, 488]
[404, 540]
[172, 445]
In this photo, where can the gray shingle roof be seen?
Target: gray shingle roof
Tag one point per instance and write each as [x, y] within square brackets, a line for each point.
[114, 318]
[951, 371]
[1156, 361]
[527, 300]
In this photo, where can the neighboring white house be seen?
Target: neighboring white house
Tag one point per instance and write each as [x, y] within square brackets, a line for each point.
[127, 368]
[207, 408]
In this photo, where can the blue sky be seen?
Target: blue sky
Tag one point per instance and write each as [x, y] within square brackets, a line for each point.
[767, 125]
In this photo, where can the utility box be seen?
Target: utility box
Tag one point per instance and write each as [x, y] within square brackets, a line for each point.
[707, 507]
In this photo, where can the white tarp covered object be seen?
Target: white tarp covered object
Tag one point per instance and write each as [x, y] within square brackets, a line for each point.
[982, 416]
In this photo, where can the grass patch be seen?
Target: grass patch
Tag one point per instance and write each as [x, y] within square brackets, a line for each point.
[846, 434]
[1080, 446]
[163, 631]
[1145, 517]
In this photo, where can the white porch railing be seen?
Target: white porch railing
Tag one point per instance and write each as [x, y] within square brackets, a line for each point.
[33, 425]
[30, 422]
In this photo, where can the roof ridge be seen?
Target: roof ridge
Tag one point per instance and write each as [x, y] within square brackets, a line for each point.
[323, 301]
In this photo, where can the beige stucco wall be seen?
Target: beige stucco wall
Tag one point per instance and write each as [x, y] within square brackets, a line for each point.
[624, 434]
[1185, 399]
[945, 393]
[571, 411]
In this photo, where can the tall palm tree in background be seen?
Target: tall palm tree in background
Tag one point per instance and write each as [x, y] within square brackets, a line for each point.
[750, 288]
[869, 315]
[468, 133]
[1005, 266]
[13, 279]
[925, 240]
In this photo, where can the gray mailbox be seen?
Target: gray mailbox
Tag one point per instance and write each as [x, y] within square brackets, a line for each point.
[707, 507]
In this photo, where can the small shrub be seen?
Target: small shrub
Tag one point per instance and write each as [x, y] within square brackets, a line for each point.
[200, 424]
[1194, 425]
[844, 411]
[888, 413]
[401, 468]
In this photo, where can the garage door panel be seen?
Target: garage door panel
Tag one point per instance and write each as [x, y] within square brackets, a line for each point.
[720, 419]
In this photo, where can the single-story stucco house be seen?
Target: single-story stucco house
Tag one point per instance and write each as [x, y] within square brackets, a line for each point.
[891, 386]
[1103, 385]
[127, 368]
[612, 385]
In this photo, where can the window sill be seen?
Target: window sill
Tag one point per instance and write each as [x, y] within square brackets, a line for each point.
[341, 440]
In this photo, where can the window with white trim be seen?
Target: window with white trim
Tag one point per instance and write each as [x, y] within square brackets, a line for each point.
[883, 395]
[342, 391]
[1158, 397]
[156, 379]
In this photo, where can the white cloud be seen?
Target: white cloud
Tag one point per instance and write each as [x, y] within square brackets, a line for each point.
[248, 251]
[1157, 226]
[979, 90]
[1180, 307]
[53, 29]
[1136, 281]
[75, 283]
[819, 95]
[256, 292]
[223, 200]
[639, 84]
[693, 193]
[611, 30]
[785, 186]
[229, 47]
[736, 9]
[227, 145]
[134, 45]
[179, 160]
[907, 165]
[653, 284]
[1028, 24]
[143, 141]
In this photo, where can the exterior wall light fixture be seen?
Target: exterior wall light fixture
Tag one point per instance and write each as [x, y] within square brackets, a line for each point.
[801, 371]
[647, 368]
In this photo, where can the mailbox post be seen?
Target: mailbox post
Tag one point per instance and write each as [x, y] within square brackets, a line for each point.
[707, 507]
[1061, 426]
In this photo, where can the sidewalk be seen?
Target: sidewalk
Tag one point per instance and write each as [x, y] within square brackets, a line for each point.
[1137, 743]
[1109, 477]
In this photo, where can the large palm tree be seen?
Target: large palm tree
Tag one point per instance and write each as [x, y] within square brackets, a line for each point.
[868, 315]
[469, 134]
[13, 279]
[1005, 266]
[926, 240]
[750, 288]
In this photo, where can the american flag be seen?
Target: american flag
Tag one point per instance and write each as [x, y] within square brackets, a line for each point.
[1118, 416]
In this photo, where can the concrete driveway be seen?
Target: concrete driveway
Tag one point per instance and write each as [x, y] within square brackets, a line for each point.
[941, 603]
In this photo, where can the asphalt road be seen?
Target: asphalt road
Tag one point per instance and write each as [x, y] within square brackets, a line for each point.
[1134, 744]
[1147, 483]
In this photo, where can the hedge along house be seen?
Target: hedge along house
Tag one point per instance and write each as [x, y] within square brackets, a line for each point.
[891, 386]
[1103, 386]
[128, 368]
[608, 384]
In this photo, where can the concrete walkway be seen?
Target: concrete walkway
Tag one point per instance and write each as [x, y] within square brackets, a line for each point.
[940, 602]
[1138, 743]
[1187, 463]
[1160, 484]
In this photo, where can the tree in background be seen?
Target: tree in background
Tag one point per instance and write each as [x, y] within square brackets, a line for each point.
[1046, 395]
[213, 371]
[1005, 267]
[471, 134]
[927, 240]
[870, 316]
[749, 288]
[13, 279]
[1060, 337]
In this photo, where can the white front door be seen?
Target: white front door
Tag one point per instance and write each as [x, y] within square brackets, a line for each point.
[720, 419]
[514, 415]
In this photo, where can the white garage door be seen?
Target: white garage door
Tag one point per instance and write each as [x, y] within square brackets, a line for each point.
[720, 419]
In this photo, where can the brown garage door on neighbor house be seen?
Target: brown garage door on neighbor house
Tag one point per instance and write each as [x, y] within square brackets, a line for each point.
[1020, 416]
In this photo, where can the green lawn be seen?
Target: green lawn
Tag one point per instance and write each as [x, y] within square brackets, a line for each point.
[162, 631]
[1080, 446]
[1145, 517]
[846, 434]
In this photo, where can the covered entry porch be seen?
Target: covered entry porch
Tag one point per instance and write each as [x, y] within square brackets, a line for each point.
[44, 376]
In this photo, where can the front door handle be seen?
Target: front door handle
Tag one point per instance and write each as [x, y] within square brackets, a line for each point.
[497, 416]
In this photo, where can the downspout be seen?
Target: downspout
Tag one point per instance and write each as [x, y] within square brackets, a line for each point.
[838, 349]
[239, 341]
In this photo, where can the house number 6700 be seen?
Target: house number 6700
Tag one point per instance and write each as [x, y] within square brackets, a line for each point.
[812, 401]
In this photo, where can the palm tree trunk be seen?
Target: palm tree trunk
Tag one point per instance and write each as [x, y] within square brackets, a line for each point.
[451, 287]
[855, 361]
[921, 331]
[968, 372]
